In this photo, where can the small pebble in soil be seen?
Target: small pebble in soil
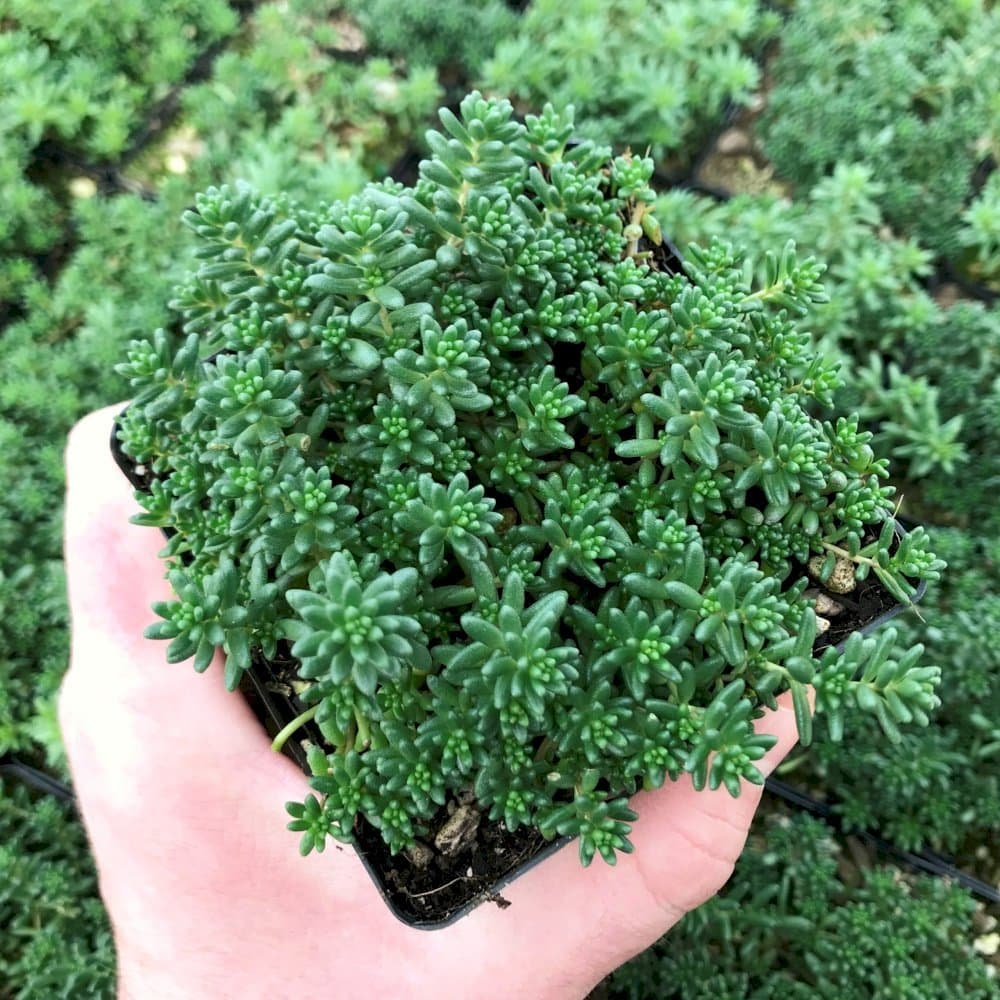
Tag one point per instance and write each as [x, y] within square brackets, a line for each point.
[824, 604]
[841, 580]
[458, 831]
[419, 855]
[988, 944]
[732, 141]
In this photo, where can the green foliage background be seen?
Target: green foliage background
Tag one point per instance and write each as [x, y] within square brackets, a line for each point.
[113, 116]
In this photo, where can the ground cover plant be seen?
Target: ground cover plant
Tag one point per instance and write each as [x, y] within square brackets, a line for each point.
[571, 494]
[799, 920]
[980, 235]
[89, 259]
[84, 76]
[300, 99]
[74, 86]
[655, 76]
[56, 940]
[906, 88]
[456, 37]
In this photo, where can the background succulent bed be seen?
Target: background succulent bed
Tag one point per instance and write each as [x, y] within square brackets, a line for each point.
[908, 88]
[532, 510]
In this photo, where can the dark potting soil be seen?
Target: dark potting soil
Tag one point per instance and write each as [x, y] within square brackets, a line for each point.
[867, 603]
[458, 862]
[431, 886]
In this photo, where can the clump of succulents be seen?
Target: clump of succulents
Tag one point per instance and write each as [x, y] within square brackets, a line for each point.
[980, 235]
[656, 74]
[908, 89]
[452, 35]
[529, 504]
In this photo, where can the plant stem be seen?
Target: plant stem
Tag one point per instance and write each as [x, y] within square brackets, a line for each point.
[844, 554]
[545, 749]
[764, 294]
[300, 720]
[364, 733]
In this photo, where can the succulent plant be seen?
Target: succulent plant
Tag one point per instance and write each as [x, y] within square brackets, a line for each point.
[531, 505]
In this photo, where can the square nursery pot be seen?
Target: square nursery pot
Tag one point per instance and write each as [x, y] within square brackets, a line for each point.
[469, 859]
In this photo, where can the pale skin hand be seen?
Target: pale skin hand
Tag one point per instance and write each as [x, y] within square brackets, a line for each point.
[209, 899]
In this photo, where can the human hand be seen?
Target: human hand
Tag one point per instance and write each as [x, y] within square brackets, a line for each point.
[183, 800]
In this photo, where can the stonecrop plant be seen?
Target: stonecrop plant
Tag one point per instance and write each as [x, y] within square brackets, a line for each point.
[655, 74]
[528, 503]
[908, 89]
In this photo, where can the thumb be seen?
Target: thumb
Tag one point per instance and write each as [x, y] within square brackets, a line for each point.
[161, 757]
[119, 689]
[686, 842]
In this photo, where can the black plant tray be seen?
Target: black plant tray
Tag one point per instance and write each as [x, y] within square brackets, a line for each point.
[427, 895]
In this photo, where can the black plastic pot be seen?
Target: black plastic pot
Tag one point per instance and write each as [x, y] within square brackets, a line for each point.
[280, 709]
[275, 705]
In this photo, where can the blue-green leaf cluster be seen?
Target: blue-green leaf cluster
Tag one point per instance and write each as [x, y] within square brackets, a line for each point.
[452, 448]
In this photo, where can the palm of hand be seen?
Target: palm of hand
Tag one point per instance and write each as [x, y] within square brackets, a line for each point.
[183, 800]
